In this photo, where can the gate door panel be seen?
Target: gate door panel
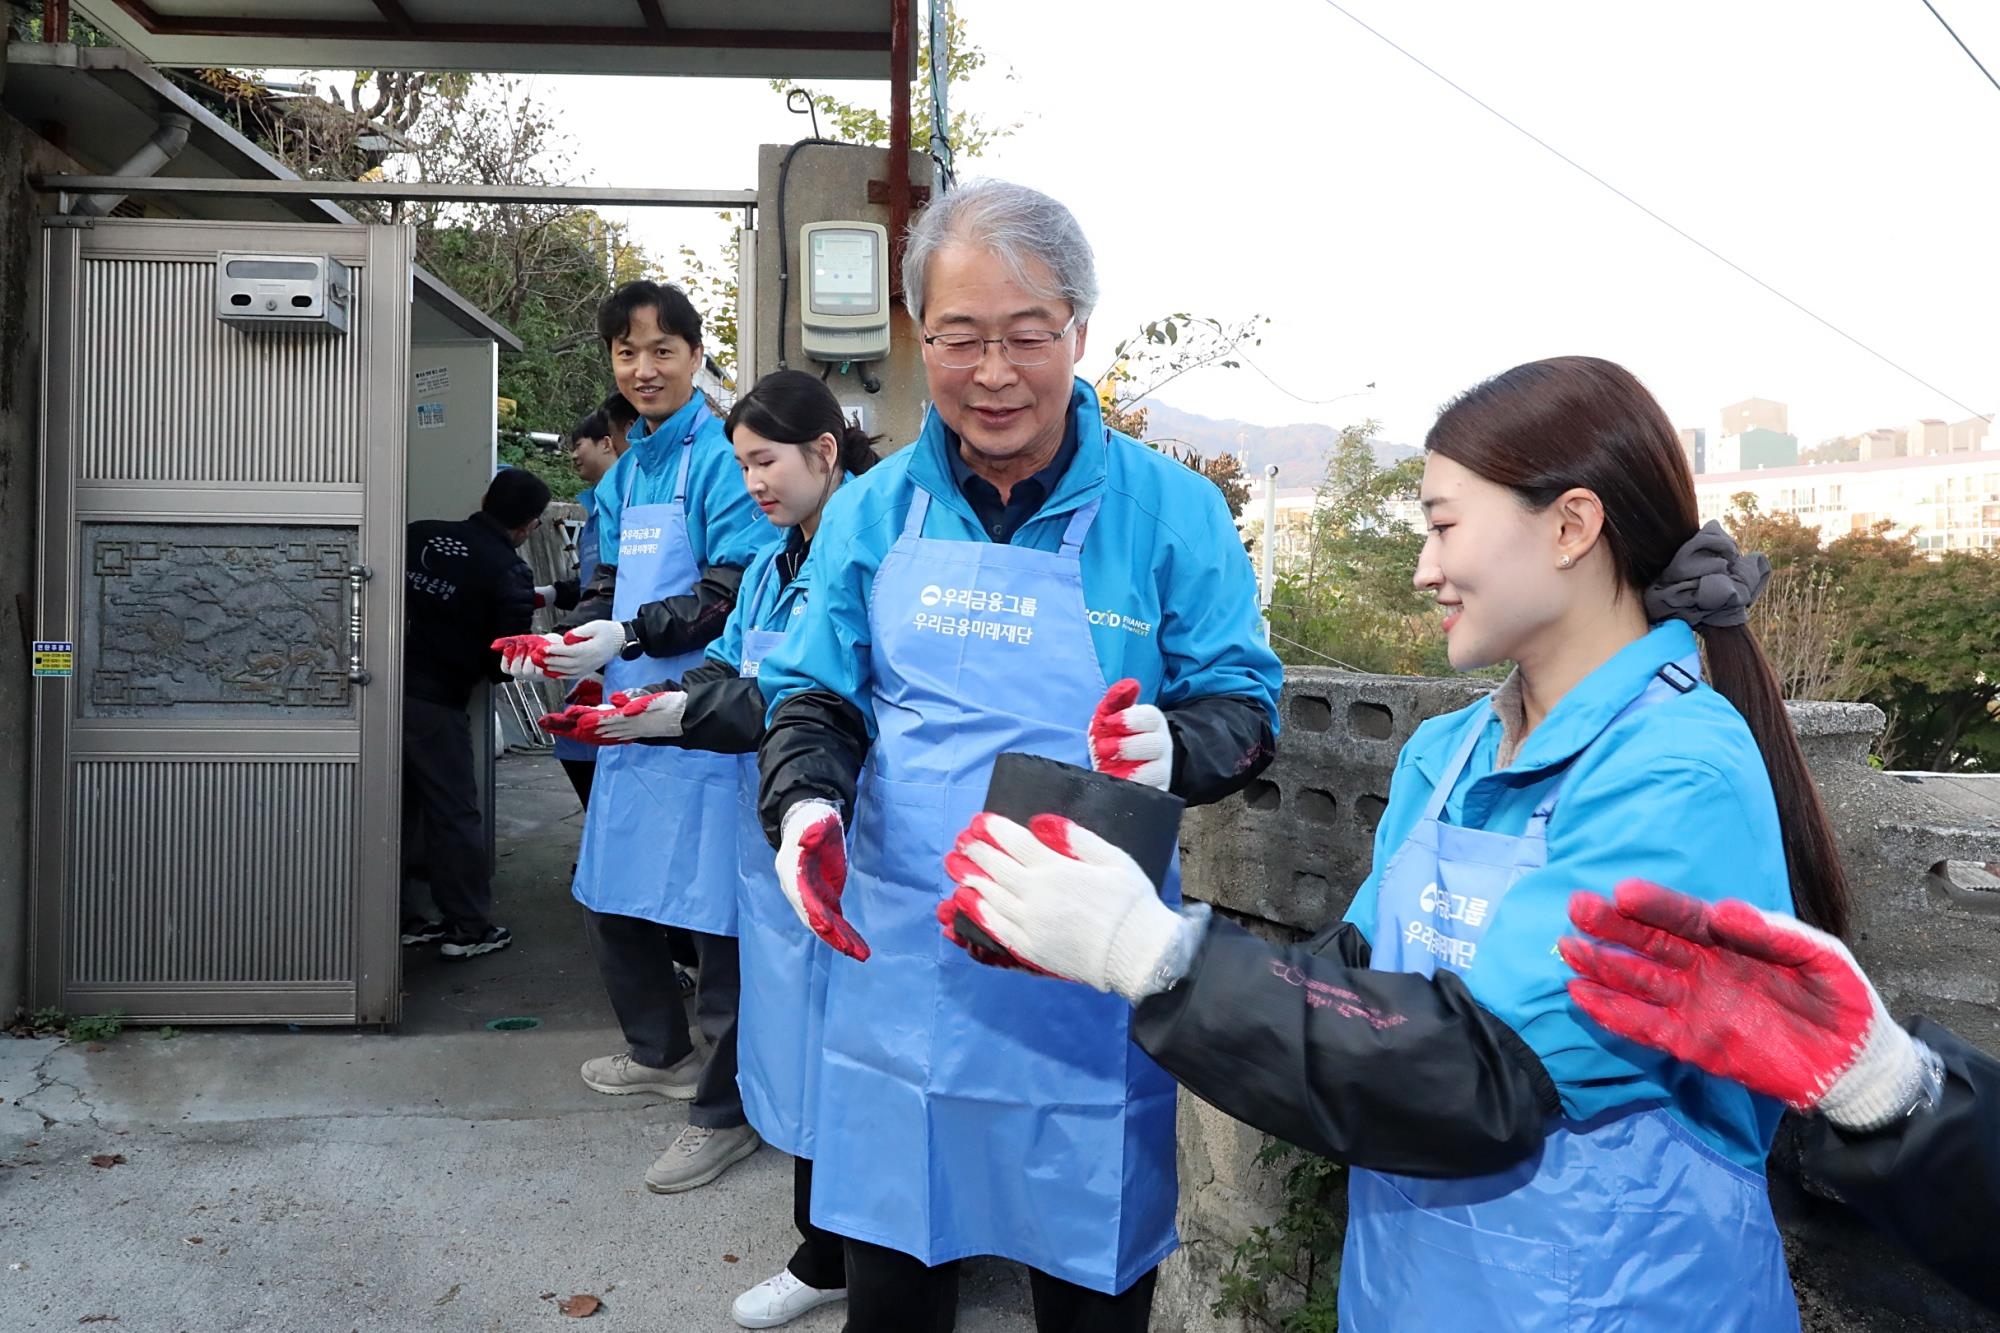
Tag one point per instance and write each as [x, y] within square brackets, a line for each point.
[222, 540]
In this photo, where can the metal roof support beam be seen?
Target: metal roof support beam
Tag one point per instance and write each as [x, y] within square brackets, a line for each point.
[899, 138]
[397, 17]
[421, 192]
[554, 34]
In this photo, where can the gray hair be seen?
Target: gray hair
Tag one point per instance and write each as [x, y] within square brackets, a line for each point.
[1016, 224]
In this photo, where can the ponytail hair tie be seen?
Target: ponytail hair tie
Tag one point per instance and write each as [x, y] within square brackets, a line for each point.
[1708, 582]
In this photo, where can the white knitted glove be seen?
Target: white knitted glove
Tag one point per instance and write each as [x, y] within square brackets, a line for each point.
[1129, 739]
[586, 648]
[1065, 901]
[643, 716]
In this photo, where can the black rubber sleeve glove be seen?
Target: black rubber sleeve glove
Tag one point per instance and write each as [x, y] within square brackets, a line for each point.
[1387, 1070]
[1220, 743]
[676, 625]
[1931, 1179]
[724, 713]
[593, 602]
[813, 749]
[568, 593]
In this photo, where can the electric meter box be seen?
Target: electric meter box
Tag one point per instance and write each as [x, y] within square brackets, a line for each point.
[267, 291]
[844, 315]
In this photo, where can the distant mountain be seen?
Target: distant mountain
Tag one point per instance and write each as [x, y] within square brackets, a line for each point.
[1299, 450]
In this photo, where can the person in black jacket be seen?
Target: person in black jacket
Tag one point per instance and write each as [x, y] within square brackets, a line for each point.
[466, 585]
[1907, 1127]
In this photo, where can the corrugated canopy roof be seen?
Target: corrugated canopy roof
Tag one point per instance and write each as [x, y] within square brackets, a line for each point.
[109, 101]
[825, 39]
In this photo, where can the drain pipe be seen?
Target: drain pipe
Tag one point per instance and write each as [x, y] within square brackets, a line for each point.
[156, 152]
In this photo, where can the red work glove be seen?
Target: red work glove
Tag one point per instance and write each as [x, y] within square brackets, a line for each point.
[812, 870]
[525, 656]
[959, 915]
[1745, 995]
[589, 692]
[1057, 898]
[582, 722]
[1129, 739]
[544, 594]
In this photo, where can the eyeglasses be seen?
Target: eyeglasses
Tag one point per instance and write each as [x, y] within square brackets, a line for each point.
[1023, 347]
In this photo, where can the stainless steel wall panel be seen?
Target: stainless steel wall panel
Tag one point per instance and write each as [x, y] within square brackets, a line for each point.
[228, 405]
[212, 872]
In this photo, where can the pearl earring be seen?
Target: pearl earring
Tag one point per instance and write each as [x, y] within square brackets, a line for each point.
[1565, 562]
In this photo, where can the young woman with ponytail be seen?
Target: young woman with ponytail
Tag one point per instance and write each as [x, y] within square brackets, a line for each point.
[796, 449]
[1516, 1166]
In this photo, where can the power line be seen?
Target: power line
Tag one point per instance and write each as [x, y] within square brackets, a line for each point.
[1344, 666]
[1311, 402]
[1961, 44]
[1678, 231]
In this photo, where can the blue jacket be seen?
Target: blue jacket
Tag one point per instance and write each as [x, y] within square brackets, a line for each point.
[1170, 593]
[1676, 793]
[725, 526]
[776, 610]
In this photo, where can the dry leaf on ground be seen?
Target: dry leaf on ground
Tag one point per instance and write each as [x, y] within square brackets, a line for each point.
[581, 1306]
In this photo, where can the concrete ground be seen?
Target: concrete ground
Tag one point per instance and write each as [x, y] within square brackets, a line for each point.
[443, 1177]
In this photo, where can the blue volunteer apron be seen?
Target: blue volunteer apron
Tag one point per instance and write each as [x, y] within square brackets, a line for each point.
[965, 1109]
[784, 964]
[586, 570]
[1628, 1222]
[659, 839]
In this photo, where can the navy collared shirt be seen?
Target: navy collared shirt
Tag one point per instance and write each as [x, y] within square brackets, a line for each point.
[1000, 521]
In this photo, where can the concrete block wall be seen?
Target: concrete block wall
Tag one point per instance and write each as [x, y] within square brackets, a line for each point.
[1285, 858]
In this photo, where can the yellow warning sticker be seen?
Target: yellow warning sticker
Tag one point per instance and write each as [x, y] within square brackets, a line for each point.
[54, 659]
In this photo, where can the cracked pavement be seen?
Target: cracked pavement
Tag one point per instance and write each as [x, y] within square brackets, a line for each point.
[442, 1177]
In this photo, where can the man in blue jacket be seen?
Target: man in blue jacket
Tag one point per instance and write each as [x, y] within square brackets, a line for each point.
[677, 529]
[973, 594]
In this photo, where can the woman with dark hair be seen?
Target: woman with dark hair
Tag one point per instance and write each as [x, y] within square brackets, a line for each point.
[796, 449]
[1516, 1165]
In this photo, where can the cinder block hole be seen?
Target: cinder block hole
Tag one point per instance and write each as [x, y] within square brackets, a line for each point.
[1371, 722]
[1368, 809]
[1305, 883]
[1262, 795]
[1316, 805]
[1311, 713]
[1970, 876]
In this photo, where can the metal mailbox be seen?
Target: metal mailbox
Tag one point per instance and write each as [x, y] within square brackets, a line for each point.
[267, 291]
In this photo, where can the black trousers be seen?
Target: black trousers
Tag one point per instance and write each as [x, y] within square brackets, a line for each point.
[892, 1292]
[441, 821]
[821, 1259]
[636, 962]
[582, 773]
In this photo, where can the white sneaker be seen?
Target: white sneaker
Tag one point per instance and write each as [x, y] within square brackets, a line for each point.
[698, 1155]
[617, 1074]
[780, 1300]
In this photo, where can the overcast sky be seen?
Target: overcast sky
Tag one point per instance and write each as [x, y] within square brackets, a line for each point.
[1273, 158]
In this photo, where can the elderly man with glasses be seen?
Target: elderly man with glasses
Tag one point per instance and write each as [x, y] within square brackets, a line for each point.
[977, 593]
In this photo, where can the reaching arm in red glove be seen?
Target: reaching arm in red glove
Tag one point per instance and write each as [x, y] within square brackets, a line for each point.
[1746, 995]
[812, 870]
[584, 723]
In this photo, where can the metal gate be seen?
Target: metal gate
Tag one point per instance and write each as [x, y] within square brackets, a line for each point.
[217, 784]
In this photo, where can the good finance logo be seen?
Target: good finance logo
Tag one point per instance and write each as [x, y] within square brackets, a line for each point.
[1116, 620]
[931, 595]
